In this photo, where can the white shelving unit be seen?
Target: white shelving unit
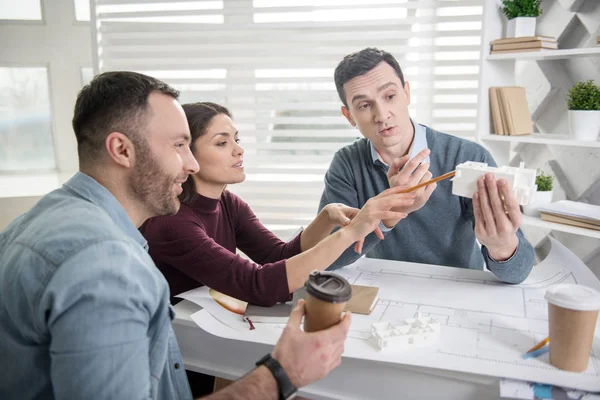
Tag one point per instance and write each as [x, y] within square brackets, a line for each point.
[553, 226]
[499, 70]
[546, 54]
[541, 138]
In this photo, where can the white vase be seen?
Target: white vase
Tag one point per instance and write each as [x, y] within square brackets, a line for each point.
[584, 124]
[539, 199]
[520, 26]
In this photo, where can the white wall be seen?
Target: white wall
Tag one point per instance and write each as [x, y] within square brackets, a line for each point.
[63, 45]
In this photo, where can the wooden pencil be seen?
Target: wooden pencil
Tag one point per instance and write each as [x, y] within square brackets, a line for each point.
[429, 182]
[539, 345]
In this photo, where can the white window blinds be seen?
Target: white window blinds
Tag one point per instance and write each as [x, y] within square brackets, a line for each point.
[271, 63]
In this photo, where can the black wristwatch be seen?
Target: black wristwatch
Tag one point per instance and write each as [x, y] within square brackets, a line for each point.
[286, 389]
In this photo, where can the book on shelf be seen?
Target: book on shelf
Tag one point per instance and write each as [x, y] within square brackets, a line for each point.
[517, 51]
[568, 221]
[495, 111]
[523, 44]
[572, 213]
[574, 209]
[523, 39]
[510, 111]
[597, 40]
[535, 45]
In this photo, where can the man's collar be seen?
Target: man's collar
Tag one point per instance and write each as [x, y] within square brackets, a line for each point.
[88, 188]
[419, 143]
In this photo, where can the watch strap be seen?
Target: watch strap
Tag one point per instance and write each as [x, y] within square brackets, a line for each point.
[286, 389]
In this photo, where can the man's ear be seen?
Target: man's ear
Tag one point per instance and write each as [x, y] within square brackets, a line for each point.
[346, 113]
[407, 91]
[120, 149]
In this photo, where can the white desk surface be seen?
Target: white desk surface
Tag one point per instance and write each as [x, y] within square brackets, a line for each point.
[353, 379]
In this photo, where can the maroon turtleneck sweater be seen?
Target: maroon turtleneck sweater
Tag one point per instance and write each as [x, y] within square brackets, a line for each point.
[197, 246]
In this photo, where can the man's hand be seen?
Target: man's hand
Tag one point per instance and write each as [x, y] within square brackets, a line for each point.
[405, 173]
[497, 217]
[309, 357]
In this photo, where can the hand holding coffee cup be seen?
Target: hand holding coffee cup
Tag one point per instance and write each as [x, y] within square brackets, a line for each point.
[572, 315]
[327, 295]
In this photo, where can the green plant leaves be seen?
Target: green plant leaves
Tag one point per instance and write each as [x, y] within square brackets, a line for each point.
[584, 96]
[521, 8]
[543, 181]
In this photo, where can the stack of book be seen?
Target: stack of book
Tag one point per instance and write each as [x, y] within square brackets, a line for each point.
[522, 44]
[510, 111]
[572, 213]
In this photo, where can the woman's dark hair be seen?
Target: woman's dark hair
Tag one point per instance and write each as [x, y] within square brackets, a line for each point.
[198, 116]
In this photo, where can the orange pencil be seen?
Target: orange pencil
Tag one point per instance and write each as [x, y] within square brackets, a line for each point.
[539, 345]
[429, 182]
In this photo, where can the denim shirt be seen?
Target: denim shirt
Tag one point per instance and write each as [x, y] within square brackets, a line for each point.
[84, 313]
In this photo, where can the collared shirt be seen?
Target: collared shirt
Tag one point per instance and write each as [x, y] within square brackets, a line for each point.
[419, 143]
[84, 313]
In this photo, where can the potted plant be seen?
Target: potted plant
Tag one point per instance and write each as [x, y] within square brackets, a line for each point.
[521, 16]
[584, 111]
[542, 196]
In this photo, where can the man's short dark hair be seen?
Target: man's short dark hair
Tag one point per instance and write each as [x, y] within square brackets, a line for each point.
[113, 102]
[359, 63]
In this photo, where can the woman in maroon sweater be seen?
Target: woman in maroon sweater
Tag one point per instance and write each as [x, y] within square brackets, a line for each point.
[197, 246]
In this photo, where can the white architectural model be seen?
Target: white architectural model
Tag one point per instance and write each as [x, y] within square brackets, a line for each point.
[416, 332]
[521, 180]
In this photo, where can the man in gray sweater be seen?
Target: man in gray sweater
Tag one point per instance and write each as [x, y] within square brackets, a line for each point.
[441, 228]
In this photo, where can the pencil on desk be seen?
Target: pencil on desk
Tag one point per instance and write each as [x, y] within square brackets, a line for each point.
[539, 345]
[536, 353]
[429, 182]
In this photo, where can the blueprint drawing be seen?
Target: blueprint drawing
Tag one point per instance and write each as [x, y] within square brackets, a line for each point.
[486, 325]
